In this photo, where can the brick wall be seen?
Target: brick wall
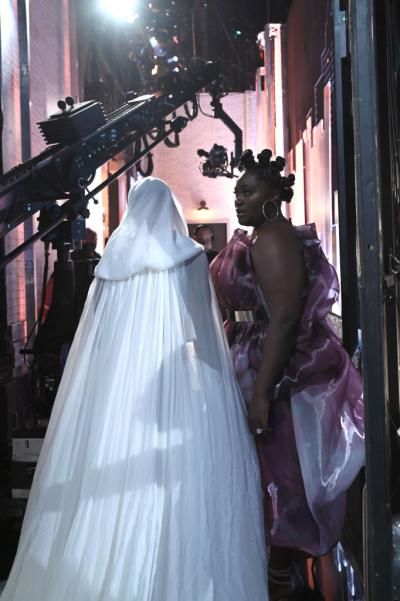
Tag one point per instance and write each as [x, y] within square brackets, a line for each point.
[51, 61]
[15, 273]
[179, 167]
[52, 76]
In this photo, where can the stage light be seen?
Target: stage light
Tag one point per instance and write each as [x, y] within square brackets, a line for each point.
[120, 9]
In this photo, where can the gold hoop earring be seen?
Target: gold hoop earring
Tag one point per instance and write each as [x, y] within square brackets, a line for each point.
[275, 213]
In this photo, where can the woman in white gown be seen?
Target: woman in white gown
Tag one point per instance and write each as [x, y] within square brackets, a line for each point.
[147, 487]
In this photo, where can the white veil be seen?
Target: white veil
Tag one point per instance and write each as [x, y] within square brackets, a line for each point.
[152, 234]
[148, 467]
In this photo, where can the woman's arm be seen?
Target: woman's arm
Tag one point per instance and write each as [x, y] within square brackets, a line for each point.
[280, 271]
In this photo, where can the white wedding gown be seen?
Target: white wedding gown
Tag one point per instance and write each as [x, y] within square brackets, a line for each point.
[147, 487]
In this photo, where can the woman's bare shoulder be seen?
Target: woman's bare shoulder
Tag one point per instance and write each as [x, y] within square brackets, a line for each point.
[276, 237]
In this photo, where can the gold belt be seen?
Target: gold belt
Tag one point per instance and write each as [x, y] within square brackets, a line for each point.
[245, 315]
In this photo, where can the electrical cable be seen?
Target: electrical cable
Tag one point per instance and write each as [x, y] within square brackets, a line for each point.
[39, 320]
[201, 110]
[44, 281]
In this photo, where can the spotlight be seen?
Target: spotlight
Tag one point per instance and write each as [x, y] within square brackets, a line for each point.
[120, 9]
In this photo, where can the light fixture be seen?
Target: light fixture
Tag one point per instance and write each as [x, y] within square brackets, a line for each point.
[120, 9]
[203, 206]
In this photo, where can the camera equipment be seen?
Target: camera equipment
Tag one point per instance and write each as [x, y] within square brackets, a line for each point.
[216, 163]
[81, 139]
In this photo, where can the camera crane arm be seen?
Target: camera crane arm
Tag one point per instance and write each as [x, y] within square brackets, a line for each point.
[219, 113]
[67, 167]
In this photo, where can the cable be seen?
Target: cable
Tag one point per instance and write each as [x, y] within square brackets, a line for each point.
[228, 37]
[39, 320]
[195, 109]
[44, 281]
[201, 110]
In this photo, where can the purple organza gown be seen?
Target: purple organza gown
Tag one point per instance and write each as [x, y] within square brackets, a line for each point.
[317, 445]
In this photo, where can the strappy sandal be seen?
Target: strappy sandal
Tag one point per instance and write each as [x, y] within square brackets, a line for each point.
[280, 583]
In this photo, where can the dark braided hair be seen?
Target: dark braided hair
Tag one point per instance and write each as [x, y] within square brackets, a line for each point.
[269, 171]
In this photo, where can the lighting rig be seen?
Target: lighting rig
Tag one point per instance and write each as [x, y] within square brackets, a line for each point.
[81, 138]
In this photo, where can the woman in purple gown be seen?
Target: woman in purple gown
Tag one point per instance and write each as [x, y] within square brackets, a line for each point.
[304, 395]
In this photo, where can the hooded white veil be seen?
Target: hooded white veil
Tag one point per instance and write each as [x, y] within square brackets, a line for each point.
[147, 487]
[152, 234]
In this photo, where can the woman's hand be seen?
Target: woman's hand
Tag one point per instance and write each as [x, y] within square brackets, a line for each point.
[258, 415]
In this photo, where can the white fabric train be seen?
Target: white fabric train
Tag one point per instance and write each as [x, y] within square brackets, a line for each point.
[147, 487]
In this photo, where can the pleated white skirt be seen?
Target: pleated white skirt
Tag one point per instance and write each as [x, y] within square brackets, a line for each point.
[147, 488]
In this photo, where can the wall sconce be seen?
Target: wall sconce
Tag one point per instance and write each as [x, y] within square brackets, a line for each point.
[203, 206]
